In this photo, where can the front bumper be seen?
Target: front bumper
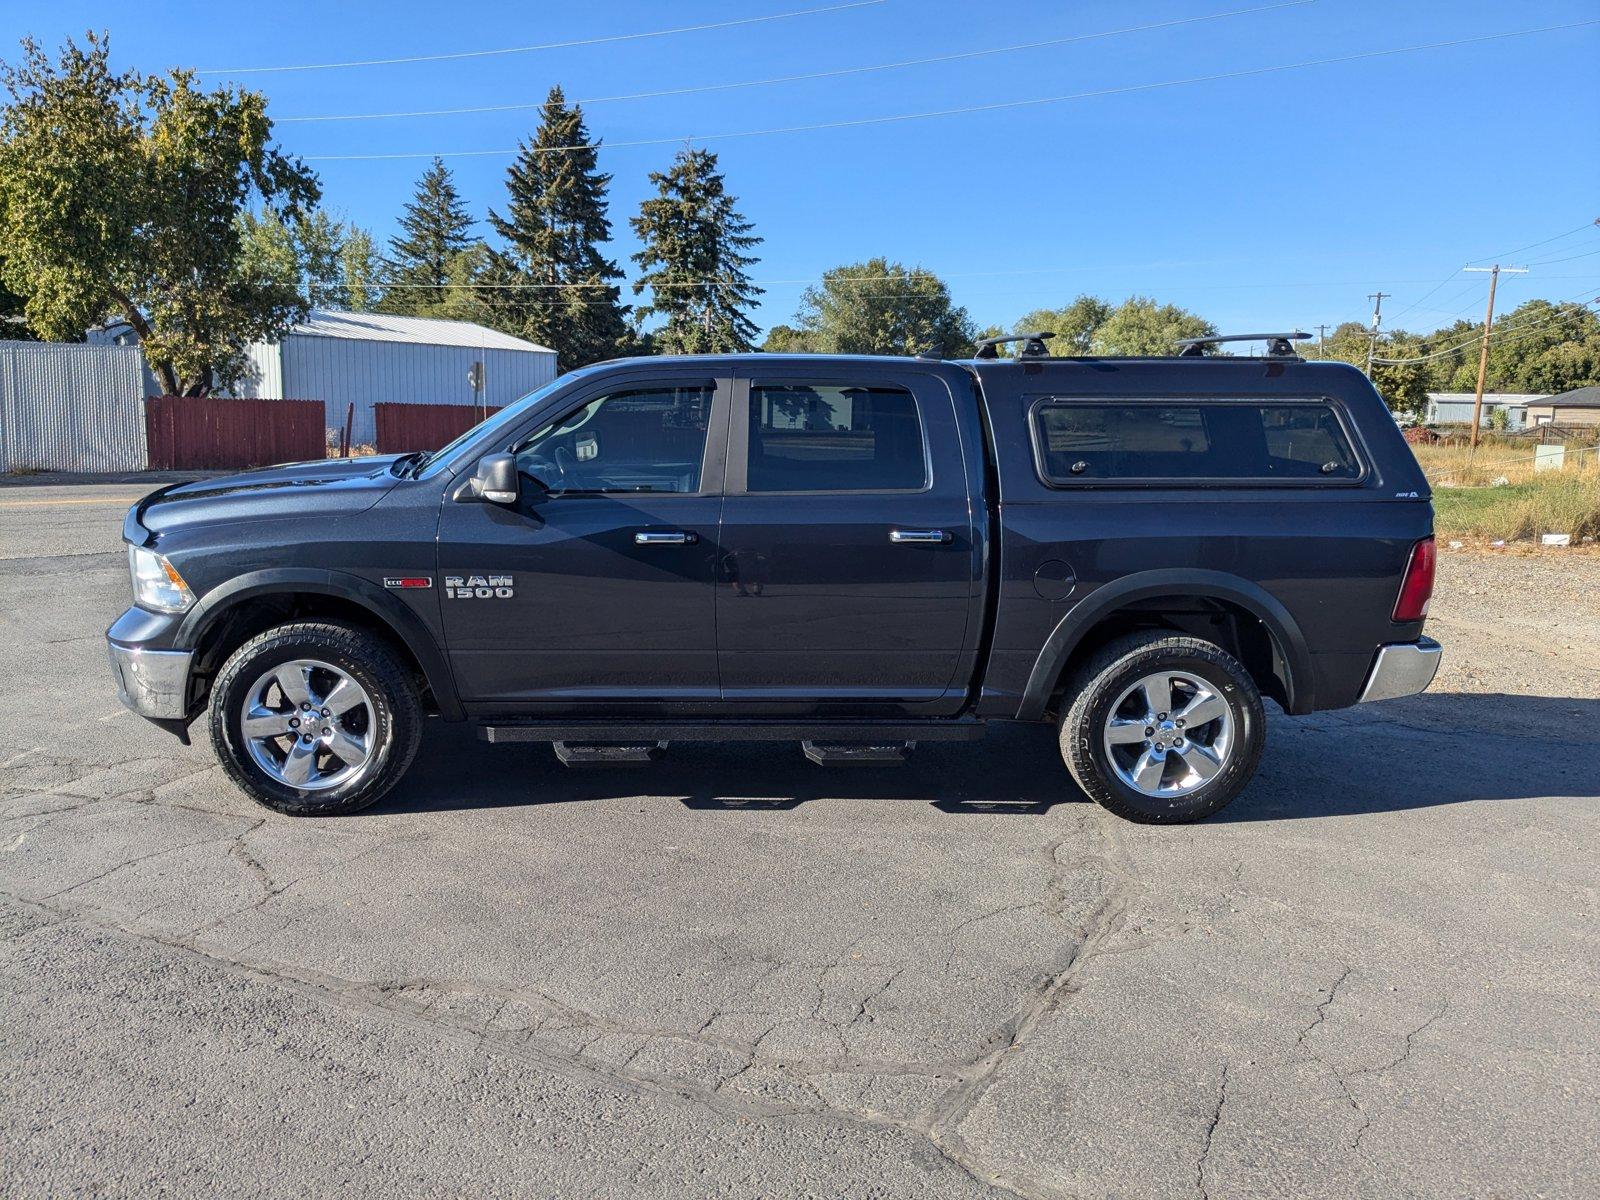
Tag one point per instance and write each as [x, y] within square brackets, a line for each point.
[1402, 669]
[153, 683]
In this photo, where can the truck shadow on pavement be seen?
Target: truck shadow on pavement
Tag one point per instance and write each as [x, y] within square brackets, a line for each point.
[1435, 749]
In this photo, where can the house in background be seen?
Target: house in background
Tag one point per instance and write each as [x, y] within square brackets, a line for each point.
[1455, 408]
[1580, 406]
[344, 358]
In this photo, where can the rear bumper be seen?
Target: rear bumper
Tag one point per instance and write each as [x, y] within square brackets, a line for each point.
[1402, 669]
[153, 683]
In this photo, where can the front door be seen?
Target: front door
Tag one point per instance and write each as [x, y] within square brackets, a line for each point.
[849, 577]
[597, 586]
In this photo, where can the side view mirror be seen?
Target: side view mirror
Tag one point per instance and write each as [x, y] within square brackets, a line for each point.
[496, 478]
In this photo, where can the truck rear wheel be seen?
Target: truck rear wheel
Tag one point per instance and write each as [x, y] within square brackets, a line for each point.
[1163, 728]
[315, 719]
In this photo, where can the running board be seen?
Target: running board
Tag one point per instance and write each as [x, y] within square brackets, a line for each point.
[833, 754]
[875, 733]
[607, 754]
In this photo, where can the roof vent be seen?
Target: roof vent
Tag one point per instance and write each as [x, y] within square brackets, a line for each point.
[1033, 345]
[1279, 345]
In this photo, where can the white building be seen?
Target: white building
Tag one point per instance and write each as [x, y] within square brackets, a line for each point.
[1455, 408]
[344, 358]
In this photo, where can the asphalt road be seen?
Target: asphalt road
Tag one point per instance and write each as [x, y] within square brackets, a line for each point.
[736, 974]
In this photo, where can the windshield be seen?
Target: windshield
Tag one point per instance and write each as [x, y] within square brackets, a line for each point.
[501, 421]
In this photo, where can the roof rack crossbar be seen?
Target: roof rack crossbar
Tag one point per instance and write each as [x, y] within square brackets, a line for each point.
[1033, 345]
[1279, 345]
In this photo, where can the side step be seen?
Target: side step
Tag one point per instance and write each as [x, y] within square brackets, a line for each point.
[607, 754]
[833, 754]
[826, 733]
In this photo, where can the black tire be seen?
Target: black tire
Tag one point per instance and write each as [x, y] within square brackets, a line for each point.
[1118, 666]
[368, 659]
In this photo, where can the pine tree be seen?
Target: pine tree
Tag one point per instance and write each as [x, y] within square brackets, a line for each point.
[694, 260]
[436, 227]
[554, 225]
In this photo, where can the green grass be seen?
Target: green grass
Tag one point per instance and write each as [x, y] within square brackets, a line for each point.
[1553, 502]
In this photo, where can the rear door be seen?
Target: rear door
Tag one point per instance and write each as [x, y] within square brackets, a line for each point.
[597, 587]
[849, 573]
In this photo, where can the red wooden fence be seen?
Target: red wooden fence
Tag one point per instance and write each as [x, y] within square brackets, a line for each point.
[187, 433]
[403, 428]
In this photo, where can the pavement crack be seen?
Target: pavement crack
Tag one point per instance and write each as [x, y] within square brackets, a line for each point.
[133, 862]
[942, 1123]
[1322, 1010]
[1204, 1160]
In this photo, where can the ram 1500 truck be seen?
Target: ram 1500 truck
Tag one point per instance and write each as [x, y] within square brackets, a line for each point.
[852, 553]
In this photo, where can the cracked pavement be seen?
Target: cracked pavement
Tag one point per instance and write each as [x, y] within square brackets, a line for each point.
[734, 973]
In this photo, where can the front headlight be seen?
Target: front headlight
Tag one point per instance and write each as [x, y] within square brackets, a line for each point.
[156, 582]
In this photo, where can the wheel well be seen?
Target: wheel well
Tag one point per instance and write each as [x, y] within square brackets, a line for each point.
[242, 621]
[1232, 626]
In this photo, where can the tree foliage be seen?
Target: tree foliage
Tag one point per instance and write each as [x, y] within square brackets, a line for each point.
[121, 197]
[1074, 326]
[1537, 348]
[435, 231]
[565, 295]
[694, 260]
[877, 307]
[13, 318]
[1092, 326]
[329, 263]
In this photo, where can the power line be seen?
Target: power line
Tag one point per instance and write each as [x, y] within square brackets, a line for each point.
[593, 41]
[1506, 332]
[1436, 287]
[964, 110]
[1535, 245]
[1542, 262]
[813, 75]
[1538, 262]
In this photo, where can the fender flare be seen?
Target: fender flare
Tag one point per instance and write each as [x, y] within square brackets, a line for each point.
[1281, 626]
[401, 621]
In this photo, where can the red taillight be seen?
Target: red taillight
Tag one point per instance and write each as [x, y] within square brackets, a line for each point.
[1417, 588]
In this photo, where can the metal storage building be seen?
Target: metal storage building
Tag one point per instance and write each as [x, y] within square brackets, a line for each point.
[344, 358]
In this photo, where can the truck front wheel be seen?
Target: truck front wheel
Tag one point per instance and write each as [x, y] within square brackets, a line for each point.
[315, 719]
[1162, 728]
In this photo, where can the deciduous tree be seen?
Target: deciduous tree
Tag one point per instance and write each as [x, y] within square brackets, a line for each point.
[120, 198]
[879, 307]
[1141, 326]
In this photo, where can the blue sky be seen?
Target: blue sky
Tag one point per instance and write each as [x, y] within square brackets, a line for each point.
[1261, 201]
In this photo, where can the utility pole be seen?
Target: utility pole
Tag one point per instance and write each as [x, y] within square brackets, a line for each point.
[1483, 350]
[1377, 299]
[1322, 339]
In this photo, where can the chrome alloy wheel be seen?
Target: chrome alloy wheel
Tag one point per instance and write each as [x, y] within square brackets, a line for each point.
[1169, 734]
[308, 725]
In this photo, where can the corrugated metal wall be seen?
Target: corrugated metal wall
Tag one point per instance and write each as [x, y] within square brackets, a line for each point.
[68, 407]
[342, 371]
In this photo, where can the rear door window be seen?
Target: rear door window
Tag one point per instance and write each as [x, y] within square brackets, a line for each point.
[827, 438]
[1088, 441]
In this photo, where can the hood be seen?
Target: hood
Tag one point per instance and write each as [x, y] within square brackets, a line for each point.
[331, 485]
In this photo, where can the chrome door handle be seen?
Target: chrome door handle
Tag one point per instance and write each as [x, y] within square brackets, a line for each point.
[675, 538]
[903, 536]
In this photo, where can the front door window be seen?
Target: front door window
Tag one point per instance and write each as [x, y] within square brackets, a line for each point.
[640, 440]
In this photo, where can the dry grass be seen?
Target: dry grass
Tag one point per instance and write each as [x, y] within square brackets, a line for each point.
[1457, 466]
[1469, 505]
